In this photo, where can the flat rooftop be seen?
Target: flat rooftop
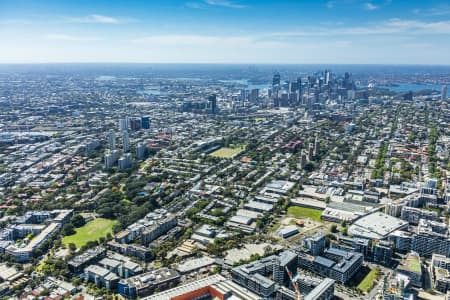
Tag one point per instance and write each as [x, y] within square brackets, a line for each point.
[376, 226]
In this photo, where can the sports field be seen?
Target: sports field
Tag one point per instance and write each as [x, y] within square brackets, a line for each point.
[304, 212]
[228, 152]
[91, 231]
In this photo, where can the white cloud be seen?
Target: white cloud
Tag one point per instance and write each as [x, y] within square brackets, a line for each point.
[370, 6]
[442, 10]
[195, 5]
[387, 27]
[330, 4]
[191, 40]
[225, 3]
[95, 18]
[69, 38]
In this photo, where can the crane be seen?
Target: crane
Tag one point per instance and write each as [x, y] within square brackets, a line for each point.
[298, 295]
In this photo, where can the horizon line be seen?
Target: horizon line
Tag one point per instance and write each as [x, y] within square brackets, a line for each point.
[225, 63]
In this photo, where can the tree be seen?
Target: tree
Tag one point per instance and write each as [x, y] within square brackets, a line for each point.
[77, 221]
[309, 167]
[344, 232]
[72, 247]
[333, 228]
[68, 229]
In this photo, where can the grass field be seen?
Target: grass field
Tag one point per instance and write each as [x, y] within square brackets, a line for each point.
[228, 152]
[303, 212]
[91, 231]
[368, 282]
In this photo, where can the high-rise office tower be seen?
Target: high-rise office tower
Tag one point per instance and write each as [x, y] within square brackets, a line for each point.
[145, 122]
[123, 124]
[213, 104]
[112, 140]
[327, 76]
[135, 124]
[316, 146]
[254, 95]
[110, 158]
[310, 152]
[444, 93]
[300, 90]
[293, 86]
[125, 141]
[141, 149]
[243, 95]
[125, 161]
[276, 79]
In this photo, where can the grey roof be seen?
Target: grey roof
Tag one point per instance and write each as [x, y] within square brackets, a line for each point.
[286, 257]
[263, 281]
[328, 263]
[320, 289]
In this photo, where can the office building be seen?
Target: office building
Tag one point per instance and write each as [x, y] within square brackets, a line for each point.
[337, 264]
[125, 161]
[135, 124]
[112, 140]
[123, 124]
[315, 244]
[212, 287]
[23, 254]
[141, 151]
[254, 95]
[316, 146]
[383, 252]
[324, 291]
[101, 277]
[110, 158]
[213, 104]
[376, 225]
[287, 260]
[444, 93]
[91, 145]
[412, 268]
[125, 141]
[276, 79]
[146, 284]
[145, 122]
[79, 262]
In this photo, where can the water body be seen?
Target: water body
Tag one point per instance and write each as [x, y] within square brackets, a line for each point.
[406, 87]
[105, 77]
[250, 86]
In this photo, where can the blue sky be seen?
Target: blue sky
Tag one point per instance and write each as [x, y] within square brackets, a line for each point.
[226, 31]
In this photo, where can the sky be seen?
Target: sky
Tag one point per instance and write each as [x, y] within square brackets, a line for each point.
[226, 31]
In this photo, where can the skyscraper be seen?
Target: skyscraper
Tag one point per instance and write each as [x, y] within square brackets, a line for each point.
[254, 95]
[125, 161]
[125, 141]
[135, 124]
[444, 93]
[311, 152]
[327, 76]
[112, 140]
[123, 124]
[145, 122]
[316, 146]
[300, 90]
[213, 104]
[110, 158]
[141, 151]
[276, 79]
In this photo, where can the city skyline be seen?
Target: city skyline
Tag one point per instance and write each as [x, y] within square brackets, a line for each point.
[224, 31]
